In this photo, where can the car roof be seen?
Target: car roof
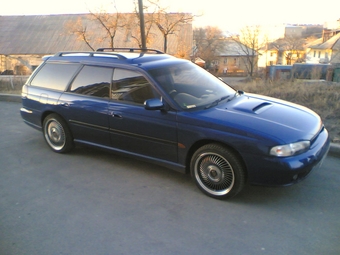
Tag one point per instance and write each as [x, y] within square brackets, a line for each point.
[145, 59]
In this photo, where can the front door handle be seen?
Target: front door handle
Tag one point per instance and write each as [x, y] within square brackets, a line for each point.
[65, 104]
[116, 115]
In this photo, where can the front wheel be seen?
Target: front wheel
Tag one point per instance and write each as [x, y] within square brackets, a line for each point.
[57, 134]
[217, 171]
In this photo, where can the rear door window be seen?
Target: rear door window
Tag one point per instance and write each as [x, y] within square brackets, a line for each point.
[55, 76]
[93, 81]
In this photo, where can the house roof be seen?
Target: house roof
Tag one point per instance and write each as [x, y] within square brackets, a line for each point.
[235, 49]
[287, 44]
[332, 43]
[315, 42]
[47, 34]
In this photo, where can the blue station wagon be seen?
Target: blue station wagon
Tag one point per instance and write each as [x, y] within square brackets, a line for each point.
[169, 111]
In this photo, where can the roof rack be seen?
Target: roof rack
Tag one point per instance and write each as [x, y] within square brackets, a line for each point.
[89, 54]
[130, 50]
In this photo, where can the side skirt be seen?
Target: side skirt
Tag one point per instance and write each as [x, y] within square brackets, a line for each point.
[171, 165]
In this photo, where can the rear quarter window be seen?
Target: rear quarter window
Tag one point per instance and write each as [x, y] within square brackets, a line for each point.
[54, 76]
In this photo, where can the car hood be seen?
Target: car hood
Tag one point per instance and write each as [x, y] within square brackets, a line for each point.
[264, 117]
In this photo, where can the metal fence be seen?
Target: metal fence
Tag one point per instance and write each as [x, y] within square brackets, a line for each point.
[12, 82]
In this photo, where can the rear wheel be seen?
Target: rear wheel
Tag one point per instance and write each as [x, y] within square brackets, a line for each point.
[57, 134]
[217, 171]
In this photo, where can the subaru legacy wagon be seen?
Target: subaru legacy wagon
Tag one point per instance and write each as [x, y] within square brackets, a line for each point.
[169, 111]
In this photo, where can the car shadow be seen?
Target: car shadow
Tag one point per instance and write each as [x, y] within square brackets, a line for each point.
[250, 195]
[134, 164]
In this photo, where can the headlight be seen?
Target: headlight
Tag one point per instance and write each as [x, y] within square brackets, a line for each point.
[290, 149]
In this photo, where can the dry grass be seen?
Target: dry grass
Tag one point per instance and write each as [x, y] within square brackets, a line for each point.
[321, 97]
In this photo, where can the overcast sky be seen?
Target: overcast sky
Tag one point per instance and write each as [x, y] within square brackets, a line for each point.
[226, 14]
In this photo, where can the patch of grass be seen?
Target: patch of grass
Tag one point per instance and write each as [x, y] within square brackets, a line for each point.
[321, 97]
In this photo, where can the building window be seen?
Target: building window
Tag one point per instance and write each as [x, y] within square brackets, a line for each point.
[319, 56]
[314, 54]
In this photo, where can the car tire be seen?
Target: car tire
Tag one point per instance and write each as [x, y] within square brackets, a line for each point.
[57, 134]
[218, 171]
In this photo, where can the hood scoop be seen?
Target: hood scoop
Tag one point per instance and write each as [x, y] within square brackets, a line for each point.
[252, 105]
[262, 107]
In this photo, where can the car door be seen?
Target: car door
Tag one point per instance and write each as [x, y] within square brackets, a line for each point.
[151, 133]
[86, 105]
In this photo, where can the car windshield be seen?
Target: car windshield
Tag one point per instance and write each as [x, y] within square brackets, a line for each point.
[191, 87]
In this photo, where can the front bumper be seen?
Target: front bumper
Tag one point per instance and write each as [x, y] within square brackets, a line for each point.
[276, 171]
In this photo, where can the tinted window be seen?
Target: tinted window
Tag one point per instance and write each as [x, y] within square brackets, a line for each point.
[93, 80]
[131, 86]
[55, 76]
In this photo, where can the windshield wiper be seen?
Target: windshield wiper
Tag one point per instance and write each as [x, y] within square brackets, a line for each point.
[216, 102]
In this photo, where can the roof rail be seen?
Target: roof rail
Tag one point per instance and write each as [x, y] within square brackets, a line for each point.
[89, 54]
[130, 50]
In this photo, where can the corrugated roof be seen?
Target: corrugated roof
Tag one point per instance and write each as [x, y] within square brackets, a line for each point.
[47, 34]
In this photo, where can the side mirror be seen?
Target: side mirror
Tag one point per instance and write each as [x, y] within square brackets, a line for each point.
[153, 104]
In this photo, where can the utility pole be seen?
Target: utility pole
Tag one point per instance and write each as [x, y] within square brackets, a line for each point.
[142, 25]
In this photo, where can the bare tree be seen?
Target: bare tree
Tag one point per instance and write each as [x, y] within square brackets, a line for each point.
[292, 48]
[133, 25]
[168, 23]
[102, 28]
[80, 29]
[250, 42]
[108, 23]
[208, 41]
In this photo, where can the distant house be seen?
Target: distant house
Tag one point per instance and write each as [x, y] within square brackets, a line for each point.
[325, 50]
[282, 52]
[233, 59]
[291, 48]
[25, 39]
